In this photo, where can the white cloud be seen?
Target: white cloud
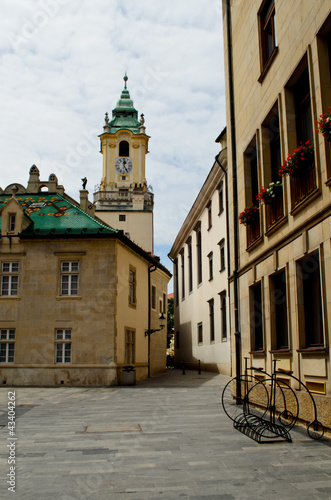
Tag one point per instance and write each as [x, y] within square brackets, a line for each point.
[61, 67]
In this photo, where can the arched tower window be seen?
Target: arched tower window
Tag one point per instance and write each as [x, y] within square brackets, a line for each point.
[124, 148]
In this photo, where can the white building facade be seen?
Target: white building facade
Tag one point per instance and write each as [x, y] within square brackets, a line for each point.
[200, 261]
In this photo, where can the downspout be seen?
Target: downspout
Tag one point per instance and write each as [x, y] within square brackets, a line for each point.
[235, 198]
[151, 269]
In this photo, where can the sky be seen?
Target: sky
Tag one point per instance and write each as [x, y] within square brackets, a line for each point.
[62, 64]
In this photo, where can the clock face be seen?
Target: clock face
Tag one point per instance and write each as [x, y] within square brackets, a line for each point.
[123, 165]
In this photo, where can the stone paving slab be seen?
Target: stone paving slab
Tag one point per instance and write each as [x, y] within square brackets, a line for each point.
[167, 438]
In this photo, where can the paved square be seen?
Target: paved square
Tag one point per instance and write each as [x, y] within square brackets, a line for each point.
[166, 438]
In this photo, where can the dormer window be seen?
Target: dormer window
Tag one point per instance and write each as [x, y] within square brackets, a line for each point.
[124, 148]
[12, 221]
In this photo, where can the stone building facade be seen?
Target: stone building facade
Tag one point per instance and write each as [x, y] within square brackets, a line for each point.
[75, 295]
[278, 83]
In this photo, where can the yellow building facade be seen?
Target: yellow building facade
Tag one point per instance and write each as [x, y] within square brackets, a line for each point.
[75, 299]
[278, 70]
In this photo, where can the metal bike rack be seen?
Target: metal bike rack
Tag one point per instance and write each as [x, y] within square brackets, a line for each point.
[262, 414]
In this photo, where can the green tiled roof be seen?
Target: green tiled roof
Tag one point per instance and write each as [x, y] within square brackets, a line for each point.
[53, 214]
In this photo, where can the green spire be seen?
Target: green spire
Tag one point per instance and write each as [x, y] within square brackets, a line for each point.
[125, 116]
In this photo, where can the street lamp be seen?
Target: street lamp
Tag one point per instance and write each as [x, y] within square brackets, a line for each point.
[153, 330]
[148, 334]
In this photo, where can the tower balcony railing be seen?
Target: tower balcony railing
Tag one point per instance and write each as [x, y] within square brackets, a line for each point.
[115, 196]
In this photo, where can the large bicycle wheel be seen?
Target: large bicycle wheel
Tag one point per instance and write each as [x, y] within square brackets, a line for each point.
[234, 396]
[258, 400]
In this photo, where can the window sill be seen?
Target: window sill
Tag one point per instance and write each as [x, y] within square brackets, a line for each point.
[314, 194]
[313, 350]
[133, 306]
[328, 182]
[272, 229]
[9, 297]
[222, 270]
[281, 351]
[267, 65]
[255, 243]
[257, 353]
[68, 297]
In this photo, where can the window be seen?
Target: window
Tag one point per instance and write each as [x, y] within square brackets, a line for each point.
[305, 183]
[223, 315]
[153, 297]
[267, 30]
[210, 265]
[69, 278]
[182, 267]
[310, 302]
[256, 317]
[190, 268]
[123, 193]
[164, 310]
[199, 253]
[124, 148]
[210, 221]
[63, 346]
[252, 189]
[272, 160]
[9, 279]
[211, 320]
[200, 334]
[122, 218]
[222, 254]
[12, 221]
[129, 346]
[132, 286]
[279, 311]
[220, 198]
[7, 346]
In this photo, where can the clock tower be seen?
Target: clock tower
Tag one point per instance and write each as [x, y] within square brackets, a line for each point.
[123, 200]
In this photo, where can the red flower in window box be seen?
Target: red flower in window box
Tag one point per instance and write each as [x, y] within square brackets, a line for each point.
[324, 124]
[267, 195]
[298, 161]
[249, 215]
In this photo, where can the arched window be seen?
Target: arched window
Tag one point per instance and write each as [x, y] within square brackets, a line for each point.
[124, 148]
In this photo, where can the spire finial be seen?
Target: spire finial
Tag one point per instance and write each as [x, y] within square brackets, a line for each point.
[125, 78]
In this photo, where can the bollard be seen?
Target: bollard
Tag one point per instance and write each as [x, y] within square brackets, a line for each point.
[199, 371]
[183, 368]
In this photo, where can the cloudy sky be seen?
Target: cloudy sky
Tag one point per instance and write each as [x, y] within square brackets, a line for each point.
[62, 64]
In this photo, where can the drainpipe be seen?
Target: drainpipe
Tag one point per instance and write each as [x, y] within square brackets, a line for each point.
[151, 269]
[235, 198]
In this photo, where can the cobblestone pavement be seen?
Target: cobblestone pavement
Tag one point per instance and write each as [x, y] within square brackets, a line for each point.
[166, 438]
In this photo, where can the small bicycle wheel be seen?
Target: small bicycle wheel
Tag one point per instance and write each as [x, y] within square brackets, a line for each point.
[234, 396]
[257, 400]
[286, 405]
[315, 430]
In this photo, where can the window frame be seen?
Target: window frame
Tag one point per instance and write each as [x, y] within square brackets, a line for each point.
[63, 344]
[279, 311]
[211, 304]
[10, 278]
[306, 300]
[8, 341]
[256, 310]
[130, 346]
[267, 20]
[69, 273]
[132, 286]
[224, 322]
[221, 245]
[200, 333]
[210, 266]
